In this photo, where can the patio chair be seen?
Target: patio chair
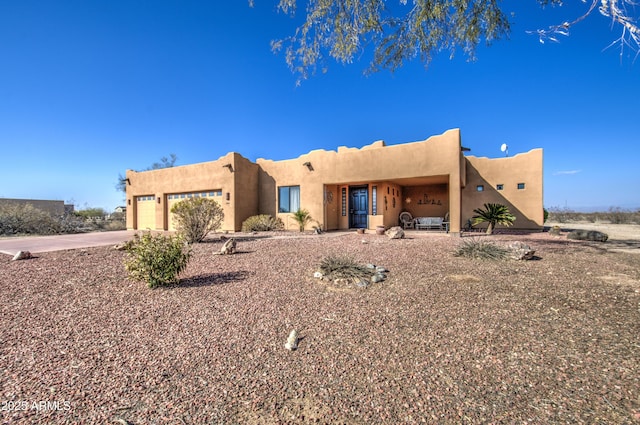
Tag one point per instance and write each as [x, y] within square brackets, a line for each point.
[406, 220]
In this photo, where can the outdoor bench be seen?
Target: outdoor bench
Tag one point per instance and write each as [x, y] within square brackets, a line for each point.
[429, 223]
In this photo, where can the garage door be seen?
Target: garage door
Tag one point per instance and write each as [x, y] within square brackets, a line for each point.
[146, 208]
[177, 197]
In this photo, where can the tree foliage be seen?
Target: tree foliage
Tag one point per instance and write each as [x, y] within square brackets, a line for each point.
[403, 30]
[164, 163]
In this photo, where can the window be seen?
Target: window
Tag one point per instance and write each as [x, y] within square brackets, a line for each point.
[288, 198]
[520, 186]
[480, 188]
[374, 200]
[344, 201]
[499, 186]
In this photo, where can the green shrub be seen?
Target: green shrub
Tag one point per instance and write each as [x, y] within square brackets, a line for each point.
[493, 214]
[480, 249]
[302, 217]
[196, 217]
[334, 267]
[156, 259]
[262, 223]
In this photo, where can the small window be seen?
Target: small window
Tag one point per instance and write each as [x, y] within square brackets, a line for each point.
[344, 201]
[480, 188]
[499, 186]
[288, 199]
[374, 200]
[520, 186]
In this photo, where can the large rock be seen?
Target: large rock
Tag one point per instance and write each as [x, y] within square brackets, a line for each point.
[395, 233]
[229, 247]
[520, 251]
[21, 255]
[588, 235]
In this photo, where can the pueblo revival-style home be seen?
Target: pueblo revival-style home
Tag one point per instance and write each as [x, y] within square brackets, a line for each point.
[348, 188]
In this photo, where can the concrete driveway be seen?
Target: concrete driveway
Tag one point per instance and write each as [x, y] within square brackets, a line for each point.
[35, 244]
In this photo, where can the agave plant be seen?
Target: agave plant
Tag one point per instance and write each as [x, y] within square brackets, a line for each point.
[493, 214]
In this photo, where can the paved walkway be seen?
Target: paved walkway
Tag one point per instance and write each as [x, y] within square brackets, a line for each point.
[35, 244]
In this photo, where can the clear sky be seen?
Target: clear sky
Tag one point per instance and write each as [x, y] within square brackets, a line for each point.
[90, 89]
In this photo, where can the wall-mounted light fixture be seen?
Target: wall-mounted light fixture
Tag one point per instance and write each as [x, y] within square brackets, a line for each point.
[128, 201]
[308, 165]
[158, 199]
[229, 166]
[228, 196]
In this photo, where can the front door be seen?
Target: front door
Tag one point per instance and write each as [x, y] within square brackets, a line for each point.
[358, 207]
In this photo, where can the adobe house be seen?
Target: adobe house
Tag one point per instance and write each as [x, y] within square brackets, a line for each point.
[348, 188]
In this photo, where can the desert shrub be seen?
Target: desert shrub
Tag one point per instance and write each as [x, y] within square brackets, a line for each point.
[72, 223]
[111, 225]
[156, 259]
[545, 214]
[302, 217]
[561, 215]
[334, 267]
[480, 249]
[26, 219]
[617, 215]
[196, 217]
[262, 223]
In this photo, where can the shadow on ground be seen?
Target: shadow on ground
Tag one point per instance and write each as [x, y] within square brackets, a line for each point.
[212, 279]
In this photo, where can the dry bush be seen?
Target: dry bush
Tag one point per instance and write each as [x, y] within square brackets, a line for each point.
[18, 219]
[334, 267]
[262, 223]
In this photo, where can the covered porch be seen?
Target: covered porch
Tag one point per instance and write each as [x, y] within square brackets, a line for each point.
[371, 204]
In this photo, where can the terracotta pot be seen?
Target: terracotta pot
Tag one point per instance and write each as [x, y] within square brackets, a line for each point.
[380, 230]
[360, 231]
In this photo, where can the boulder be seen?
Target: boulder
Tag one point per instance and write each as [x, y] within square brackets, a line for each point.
[395, 232]
[520, 251]
[588, 235]
[555, 231]
[21, 255]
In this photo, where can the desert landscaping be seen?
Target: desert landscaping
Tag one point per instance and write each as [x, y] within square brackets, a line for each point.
[443, 339]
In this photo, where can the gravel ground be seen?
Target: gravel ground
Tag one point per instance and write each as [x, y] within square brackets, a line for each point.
[442, 340]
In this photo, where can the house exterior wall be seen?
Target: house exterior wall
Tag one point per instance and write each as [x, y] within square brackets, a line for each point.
[525, 204]
[427, 178]
[193, 178]
[375, 164]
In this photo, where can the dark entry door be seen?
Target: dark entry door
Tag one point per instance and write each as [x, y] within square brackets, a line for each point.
[358, 207]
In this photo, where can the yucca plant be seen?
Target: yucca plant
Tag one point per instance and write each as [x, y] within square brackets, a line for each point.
[302, 217]
[493, 214]
[479, 249]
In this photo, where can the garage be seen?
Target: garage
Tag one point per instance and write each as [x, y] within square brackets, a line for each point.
[146, 212]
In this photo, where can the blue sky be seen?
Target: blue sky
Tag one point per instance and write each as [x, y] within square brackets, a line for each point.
[90, 89]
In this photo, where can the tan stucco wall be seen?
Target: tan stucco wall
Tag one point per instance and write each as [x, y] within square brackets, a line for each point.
[526, 204]
[241, 185]
[375, 164]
